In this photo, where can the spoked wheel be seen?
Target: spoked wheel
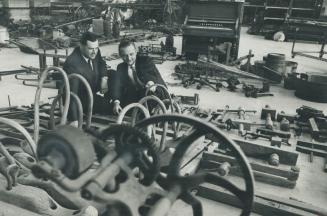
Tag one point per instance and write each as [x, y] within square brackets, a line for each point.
[179, 186]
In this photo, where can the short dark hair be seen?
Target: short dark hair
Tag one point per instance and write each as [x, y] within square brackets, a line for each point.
[88, 36]
[125, 43]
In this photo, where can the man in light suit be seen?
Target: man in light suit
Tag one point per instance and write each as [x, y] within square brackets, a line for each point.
[133, 76]
[86, 60]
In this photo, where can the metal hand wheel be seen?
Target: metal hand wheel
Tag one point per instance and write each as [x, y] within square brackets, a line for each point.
[179, 186]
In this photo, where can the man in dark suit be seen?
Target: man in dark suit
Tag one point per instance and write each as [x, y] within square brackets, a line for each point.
[86, 60]
[133, 76]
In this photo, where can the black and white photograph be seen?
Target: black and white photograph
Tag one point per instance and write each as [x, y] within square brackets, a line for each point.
[163, 108]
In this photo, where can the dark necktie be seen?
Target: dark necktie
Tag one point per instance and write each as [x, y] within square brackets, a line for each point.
[94, 74]
[134, 75]
[90, 63]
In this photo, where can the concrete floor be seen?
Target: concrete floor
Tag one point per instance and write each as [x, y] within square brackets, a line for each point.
[311, 186]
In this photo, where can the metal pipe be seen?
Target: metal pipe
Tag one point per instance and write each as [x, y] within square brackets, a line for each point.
[163, 108]
[21, 129]
[131, 106]
[90, 96]
[52, 123]
[38, 95]
[165, 89]
[74, 22]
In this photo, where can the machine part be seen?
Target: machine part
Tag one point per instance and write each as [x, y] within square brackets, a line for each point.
[274, 159]
[189, 100]
[282, 115]
[312, 87]
[274, 140]
[276, 62]
[179, 186]
[278, 133]
[285, 125]
[24, 159]
[25, 134]
[135, 142]
[306, 112]
[67, 149]
[240, 59]
[38, 95]
[252, 149]
[271, 74]
[253, 91]
[33, 201]
[129, 107]
[164, 88]
[283, 176]
[175, 109]
[52, 121]
[202, 82]
[164, 111]
[89, 94]
[269, 115]
[255, 94]
[8, 167]
[224, 169]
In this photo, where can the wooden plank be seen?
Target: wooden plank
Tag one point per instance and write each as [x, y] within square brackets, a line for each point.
[320, 146]
[288, 173]
[233, 70]
[252, 149]
[258, 176]
[261, 205]
[317, 152]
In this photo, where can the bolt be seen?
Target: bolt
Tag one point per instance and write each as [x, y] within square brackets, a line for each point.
[54, 173]
[274, 159]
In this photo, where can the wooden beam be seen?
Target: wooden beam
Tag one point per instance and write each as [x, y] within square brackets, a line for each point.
[263, 205]
[290, 173]
[258, 176]
[251, 149]
[257, 150]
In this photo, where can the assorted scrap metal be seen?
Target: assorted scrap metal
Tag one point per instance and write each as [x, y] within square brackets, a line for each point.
[216, 76]
[105, 156]
[88, 165]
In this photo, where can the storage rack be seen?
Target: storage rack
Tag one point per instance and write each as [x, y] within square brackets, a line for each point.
[272, 14]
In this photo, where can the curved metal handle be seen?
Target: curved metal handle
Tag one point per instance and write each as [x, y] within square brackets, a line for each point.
[38, 95]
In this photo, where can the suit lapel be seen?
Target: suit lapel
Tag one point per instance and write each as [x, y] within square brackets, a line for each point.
[86, 70]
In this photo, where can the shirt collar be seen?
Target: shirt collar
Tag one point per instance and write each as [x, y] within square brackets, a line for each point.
[86, 59]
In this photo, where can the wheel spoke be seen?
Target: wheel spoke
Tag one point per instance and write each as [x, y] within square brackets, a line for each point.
[224, 183]
[181, 148]
[195, 203]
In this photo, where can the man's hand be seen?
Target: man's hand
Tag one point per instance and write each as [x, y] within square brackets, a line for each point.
[151, 86]
[104, 85]
[117, 108]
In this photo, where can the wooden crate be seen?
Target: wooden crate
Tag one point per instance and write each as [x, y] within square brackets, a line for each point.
[40, 3]
[16, 3]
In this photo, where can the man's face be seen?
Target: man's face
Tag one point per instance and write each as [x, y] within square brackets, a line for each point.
[128, 54]
[90, 50]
